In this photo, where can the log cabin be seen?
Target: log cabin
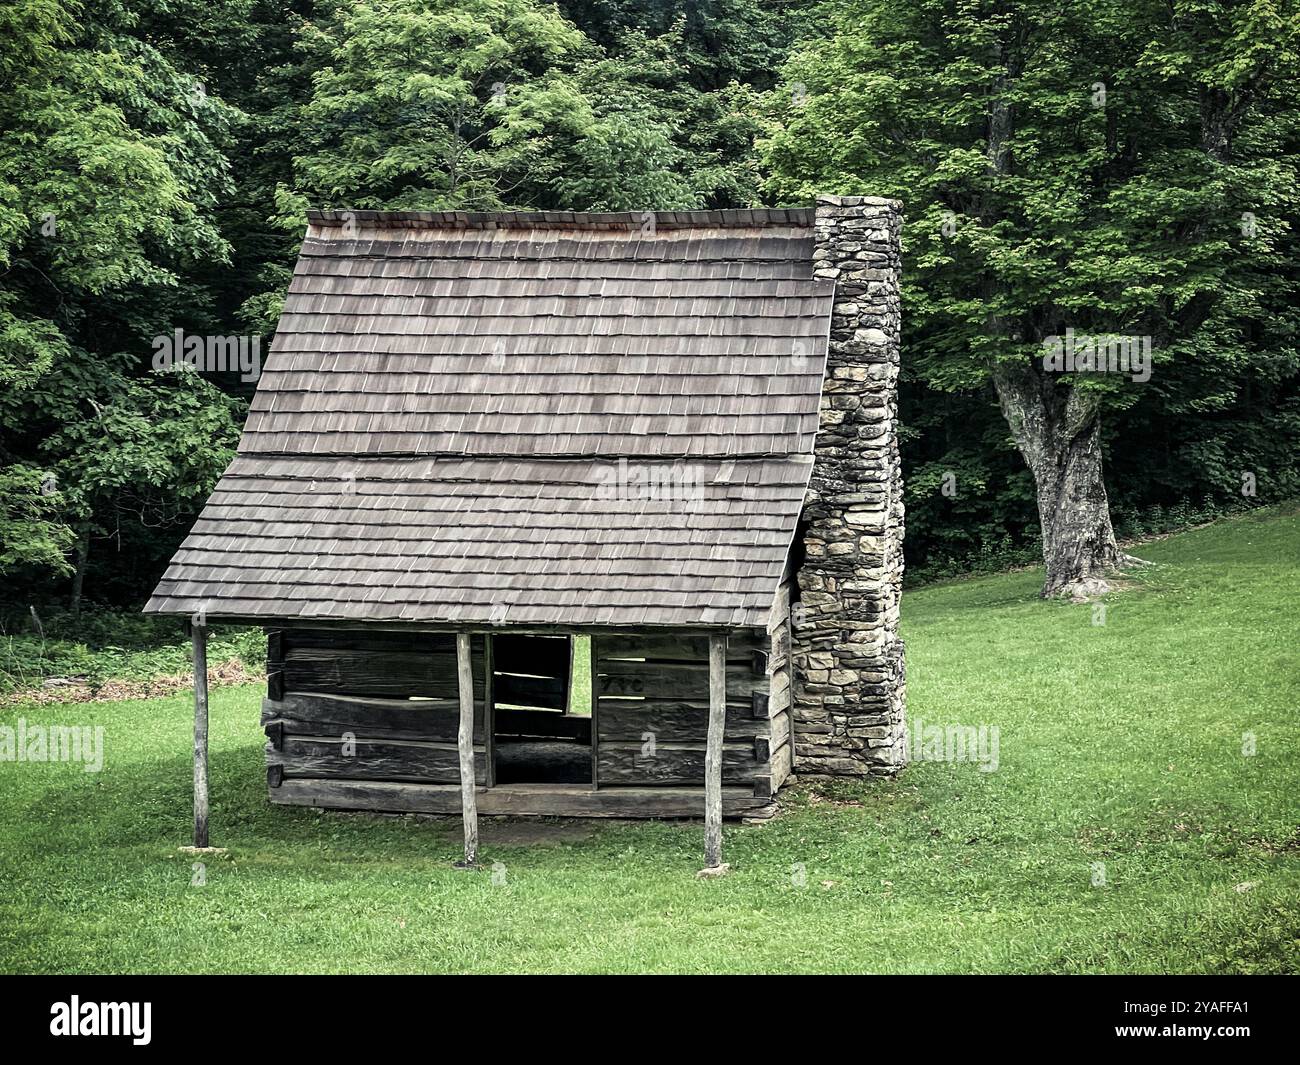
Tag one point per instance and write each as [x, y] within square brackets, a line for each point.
[481, 441]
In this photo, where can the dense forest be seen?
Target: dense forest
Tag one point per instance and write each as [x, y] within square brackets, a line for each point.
[1087, 168]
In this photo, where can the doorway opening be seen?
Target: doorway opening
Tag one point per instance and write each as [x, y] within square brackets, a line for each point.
[539, 735]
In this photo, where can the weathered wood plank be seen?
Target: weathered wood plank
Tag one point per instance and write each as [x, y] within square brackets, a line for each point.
[780, 654]
[326, 715]
[669, 680]
[780, 614]
[199, 646]
[673, 647]
[779, 701]
[593, 663]
[373, 673]
[635, 763]
[295, 726]
[713, 768]
[781, 762]
[778, 733]
[427, 629]
[370, 759]
[489, 710]
[369, 639]
[518, 800]
[629, 719]
[465, 743]
[767, 784]
[275, 664]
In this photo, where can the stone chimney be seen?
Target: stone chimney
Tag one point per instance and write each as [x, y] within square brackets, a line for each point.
[848, 658]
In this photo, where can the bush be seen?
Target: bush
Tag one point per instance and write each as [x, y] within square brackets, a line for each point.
[100, 645]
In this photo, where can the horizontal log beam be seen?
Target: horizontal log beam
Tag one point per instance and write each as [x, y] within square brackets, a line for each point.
[672, 764]
[398, 760]
[374, 673]
[669, 680]
[549, 692]
[369, 640]
[323, 715]
[670, 720]
[518, 800]
[672, 647]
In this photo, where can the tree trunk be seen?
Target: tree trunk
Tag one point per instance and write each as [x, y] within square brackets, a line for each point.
[1078, 541]
[1058, 431]
[79, 573]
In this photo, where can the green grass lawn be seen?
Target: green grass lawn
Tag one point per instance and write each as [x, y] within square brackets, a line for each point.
[1120, 758]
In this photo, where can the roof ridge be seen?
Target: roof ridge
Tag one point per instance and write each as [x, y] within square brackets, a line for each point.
[635, 221]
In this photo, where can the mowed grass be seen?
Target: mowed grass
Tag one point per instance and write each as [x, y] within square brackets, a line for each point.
[1124, 830]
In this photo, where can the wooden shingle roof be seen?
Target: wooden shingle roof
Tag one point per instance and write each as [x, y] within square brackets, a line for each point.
[540, 418]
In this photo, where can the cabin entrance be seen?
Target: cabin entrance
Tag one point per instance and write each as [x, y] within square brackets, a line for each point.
[537, 738]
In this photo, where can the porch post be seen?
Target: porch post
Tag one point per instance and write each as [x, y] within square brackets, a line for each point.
[713, 751]
[199, 638]
[465, 741]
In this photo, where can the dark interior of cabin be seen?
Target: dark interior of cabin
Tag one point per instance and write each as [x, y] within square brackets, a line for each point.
[537, 736]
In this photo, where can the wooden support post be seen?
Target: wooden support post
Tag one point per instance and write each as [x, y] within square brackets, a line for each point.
[199, 638]
[489, 713]
[713, 752]
[593, 662]
[465, 741]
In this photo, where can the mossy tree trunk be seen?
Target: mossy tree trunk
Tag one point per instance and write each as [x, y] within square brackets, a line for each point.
[1057, 429]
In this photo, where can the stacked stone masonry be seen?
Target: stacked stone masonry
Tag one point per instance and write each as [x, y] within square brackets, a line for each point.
[848, 658]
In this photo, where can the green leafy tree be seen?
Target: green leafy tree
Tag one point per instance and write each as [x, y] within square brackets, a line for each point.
[658, 142]
[625, 162]
[434, 104]
[1111, 169]
[30, 532]
[718, 42]
[111, 166]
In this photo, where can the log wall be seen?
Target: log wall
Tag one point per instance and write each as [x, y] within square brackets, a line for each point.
[363, 706]
[368, 720]
[650, 698]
